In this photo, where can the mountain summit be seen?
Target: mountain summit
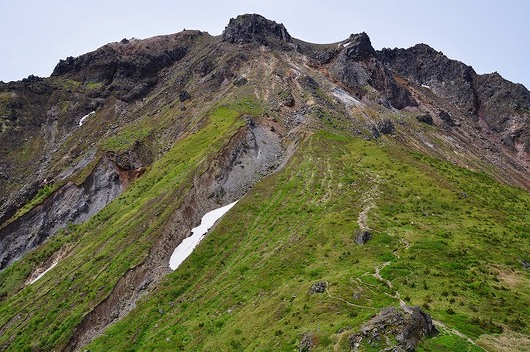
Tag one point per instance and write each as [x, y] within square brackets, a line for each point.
[253, 191]
[254, 29]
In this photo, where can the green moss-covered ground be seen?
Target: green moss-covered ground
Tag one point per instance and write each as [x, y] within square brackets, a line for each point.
[106, 246]
[452, 238]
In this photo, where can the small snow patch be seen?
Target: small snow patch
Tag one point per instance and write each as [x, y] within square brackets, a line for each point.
[345, 98]
[186, 247]
[83, 119]
[44, 272]
[426, 86]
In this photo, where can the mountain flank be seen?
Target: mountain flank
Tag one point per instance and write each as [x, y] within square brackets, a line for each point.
[382, 198]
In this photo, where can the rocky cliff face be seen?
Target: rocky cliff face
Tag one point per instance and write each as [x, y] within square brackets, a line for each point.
[501, 107]
[70, 204]
[357, 67]
[425, 66]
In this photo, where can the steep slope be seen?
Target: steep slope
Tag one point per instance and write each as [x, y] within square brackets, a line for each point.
[360, 189]
[251, 284]
[499, 108]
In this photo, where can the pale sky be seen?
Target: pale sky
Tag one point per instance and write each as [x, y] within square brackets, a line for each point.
[490, 35]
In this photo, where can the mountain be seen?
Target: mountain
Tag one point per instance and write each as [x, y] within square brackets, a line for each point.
[382, 198]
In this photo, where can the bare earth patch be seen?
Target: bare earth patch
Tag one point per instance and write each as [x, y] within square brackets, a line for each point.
[506, 342]
[508, 277]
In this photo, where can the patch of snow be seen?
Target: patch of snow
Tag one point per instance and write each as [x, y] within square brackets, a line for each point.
[345, 98]
[186, 247]
[346, 45]
[44, 272]
[83, 119]
[426, 86]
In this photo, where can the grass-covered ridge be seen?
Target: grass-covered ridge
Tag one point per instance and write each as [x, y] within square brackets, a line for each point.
[105, 247]
[452, 241]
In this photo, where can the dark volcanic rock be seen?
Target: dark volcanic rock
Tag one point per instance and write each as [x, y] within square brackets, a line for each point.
[184, 95]
[502, 107]
[253, 28]
[359, 47]
[69, 204]
[318, 287]
[385, 126]
[308, 341]
[505, 108]
[447, 78]
[362, 236]
[241, 81]
[426, 118]
[309, 82]
[445, 117]
[129, 69]
[357, 66]
[395, 329]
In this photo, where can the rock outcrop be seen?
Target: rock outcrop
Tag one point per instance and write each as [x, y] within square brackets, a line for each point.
[70, 204]
[500, 107]
[128, 69]
[422, 64]
[358, 67]
[253, 28]
[393, 329]
[425, 118]
[318, 287]
[362, 236]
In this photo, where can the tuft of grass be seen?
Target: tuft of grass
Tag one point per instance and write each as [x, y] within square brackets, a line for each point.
[125, 139]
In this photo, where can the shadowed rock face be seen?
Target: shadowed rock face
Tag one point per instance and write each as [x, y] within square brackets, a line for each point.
[253, 28]
[70, 204]
[450, 79]
[502, 107]
[359, 47]
[357, 66]
[128, 69]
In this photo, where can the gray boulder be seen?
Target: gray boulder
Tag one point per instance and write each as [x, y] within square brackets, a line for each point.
[394, 329]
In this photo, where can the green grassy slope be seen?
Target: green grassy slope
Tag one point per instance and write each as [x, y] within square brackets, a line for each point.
[444, 238]
[106, 246]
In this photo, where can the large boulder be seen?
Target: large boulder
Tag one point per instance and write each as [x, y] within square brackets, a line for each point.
[394, 329]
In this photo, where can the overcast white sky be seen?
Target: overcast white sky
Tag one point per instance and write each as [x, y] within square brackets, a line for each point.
[490, 35]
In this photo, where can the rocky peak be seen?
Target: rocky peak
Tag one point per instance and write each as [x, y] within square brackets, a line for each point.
[359, 47]
[357, 65]
[449, 79]
[254, 28]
